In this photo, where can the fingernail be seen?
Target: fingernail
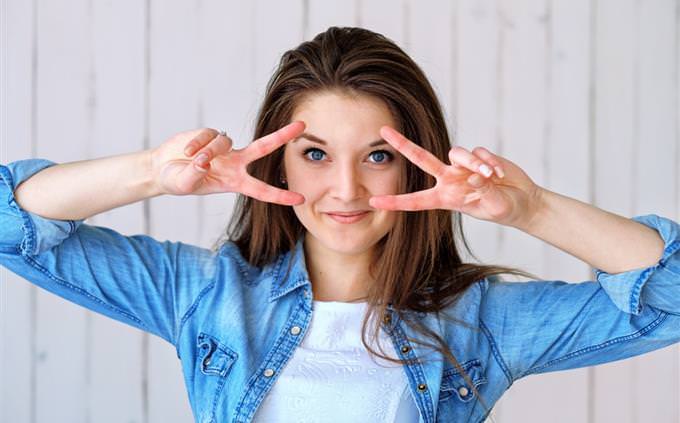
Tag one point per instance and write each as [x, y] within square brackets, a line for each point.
[486, 171]
[499, 171]
[201, 159]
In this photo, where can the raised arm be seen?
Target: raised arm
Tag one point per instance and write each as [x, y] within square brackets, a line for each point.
[78, 190]
[604, 240]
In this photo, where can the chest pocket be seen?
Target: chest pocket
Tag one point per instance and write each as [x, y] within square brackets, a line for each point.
[214, 361]
[214, 358]
[455, 388]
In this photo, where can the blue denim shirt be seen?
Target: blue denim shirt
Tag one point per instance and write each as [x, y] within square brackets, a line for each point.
[235, 326]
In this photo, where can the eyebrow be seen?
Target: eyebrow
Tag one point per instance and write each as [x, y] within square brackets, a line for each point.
[314, 138]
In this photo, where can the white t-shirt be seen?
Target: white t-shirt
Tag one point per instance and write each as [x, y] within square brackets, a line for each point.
[331, 376]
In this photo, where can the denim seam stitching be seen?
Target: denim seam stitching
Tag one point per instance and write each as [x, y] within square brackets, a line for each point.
[496, 352]
[280, 352]
[415, 371]
[27, 225]
[81, 291]
[191, 309]
[646, 274]
[660, 319]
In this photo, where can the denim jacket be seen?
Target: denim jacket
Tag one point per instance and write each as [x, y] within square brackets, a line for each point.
[234, 326]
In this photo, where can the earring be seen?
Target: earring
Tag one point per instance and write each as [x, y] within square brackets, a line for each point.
[283, 180]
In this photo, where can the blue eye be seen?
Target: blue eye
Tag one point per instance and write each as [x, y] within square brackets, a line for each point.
[316, 156]
[381, 156]
[386, 156]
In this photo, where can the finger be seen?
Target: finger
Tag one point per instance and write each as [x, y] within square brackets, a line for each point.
[191, 176]
[420, 200]
[262, 191]
[265, 145]
[199, 141]
[490, 158]
[469, 161]
[219, 145]
[422, 158]
[476, 180]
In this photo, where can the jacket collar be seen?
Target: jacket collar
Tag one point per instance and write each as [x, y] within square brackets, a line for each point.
[298, 276]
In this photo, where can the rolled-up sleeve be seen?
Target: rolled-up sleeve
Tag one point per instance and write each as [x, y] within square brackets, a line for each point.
[32, 233]
[657, 285]
[135, 279]
[544, 326]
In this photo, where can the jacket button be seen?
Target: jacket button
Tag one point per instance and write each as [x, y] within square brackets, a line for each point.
[463, 391]
[405, 349]
[269, 373]
[295, 330]
[422, 387]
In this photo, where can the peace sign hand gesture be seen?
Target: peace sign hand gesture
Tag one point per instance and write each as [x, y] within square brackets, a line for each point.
[224, 169]
[510, 197]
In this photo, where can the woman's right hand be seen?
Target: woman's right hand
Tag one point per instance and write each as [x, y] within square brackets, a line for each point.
[178, 172]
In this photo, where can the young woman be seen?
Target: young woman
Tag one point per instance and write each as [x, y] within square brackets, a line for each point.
[338, 292]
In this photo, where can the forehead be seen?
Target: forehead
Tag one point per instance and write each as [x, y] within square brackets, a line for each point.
[333, 115]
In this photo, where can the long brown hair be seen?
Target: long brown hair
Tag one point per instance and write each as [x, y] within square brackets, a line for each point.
[427, 276]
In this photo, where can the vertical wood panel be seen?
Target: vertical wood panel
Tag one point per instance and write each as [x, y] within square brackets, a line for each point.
[227, 100]
[115, 349]
[615, 131]
[173, 107]
[652, 168]
[565, 152]
[475, 105]
[523, 99]
[64, 128]
[17, 296]
[431, 49]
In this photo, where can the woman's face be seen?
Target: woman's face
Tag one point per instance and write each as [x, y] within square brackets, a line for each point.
[342, 170]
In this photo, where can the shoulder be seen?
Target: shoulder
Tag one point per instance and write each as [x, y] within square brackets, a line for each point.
[237, 265]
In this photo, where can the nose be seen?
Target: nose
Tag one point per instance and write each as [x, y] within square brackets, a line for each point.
[347, 183]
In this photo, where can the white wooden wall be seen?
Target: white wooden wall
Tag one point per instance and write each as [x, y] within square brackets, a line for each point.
[582, 94]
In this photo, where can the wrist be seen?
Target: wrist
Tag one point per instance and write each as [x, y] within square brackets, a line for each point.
[536, 210]
[150, 174]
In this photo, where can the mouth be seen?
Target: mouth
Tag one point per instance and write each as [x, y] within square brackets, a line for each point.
[348, 217]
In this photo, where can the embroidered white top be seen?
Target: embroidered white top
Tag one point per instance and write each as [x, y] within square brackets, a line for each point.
[331, 376]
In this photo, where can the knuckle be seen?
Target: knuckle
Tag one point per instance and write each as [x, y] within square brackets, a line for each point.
[478, 150]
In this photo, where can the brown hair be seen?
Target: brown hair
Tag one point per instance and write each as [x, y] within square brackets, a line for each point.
[427, 276]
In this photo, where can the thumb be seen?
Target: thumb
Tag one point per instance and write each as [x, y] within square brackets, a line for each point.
[191, 176]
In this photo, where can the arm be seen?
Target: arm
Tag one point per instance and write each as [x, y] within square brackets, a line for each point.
[93, 186]
[135, 279]
[602, 239]
[543, 326]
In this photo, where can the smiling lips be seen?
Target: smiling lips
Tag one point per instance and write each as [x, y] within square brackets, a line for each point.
[348, 217]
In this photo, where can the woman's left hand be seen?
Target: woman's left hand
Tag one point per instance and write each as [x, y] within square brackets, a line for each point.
[507, 197]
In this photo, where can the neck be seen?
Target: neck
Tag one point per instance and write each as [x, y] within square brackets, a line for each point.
[336, 276]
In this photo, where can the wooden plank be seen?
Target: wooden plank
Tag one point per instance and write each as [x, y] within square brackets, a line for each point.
[17, 296]
[474, 113]
[649, 175]
[523, 119]
[432, 49]
[173, 107]
[227, 95]
[565, 148]
[118, 64]
[64, 128]
[615, 128]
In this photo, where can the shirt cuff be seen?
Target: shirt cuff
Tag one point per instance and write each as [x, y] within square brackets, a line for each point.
[34, 233]
[626, 288]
